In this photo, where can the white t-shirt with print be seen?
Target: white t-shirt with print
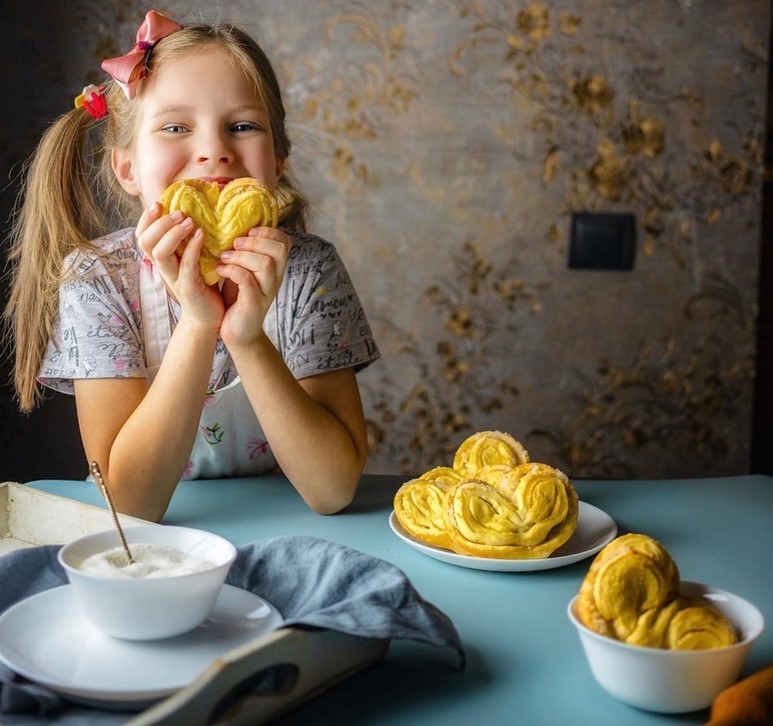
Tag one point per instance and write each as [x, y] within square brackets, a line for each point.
[317, 321]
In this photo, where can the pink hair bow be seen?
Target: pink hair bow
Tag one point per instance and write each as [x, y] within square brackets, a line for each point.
[129, 69]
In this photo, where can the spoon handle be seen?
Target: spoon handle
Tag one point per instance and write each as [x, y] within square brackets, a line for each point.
[97, 474]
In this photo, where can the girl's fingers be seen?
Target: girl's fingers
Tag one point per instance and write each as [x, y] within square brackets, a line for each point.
[253, 272]
[148, 216]
[240, 276]
[145, 219]
[163, 236]
[189, 259]
[269, 235]
[264, 252]
[251, 269]
[266, 240]
[241, 290]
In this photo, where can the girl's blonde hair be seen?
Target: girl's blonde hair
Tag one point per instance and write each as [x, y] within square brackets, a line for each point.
[70, 195]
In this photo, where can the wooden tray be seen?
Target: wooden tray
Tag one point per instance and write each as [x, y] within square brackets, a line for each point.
[220, 696]
[31, 517]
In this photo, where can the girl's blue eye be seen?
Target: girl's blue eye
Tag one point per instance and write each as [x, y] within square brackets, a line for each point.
[245, 126]
[175, 128]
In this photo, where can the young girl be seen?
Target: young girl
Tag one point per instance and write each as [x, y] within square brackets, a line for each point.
[173, 378]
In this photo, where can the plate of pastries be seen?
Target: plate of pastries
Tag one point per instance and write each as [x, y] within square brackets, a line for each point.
[495, 509]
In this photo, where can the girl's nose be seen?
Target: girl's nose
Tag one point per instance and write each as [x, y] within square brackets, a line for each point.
[214, 146]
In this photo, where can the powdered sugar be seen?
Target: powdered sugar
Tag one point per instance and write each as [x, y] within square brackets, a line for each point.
[150, 561]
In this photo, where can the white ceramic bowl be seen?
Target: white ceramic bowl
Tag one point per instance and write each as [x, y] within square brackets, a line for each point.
[672, 681]
[148, 608]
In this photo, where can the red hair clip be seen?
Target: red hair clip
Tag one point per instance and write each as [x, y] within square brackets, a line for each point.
[93, 100]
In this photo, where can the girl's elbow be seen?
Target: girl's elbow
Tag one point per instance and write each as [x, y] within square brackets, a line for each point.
[335, 499]
[339, 489]
[332, 505]
[148, 515]
[147, 511]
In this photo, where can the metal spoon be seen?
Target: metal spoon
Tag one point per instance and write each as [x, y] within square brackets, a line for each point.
[97, 474]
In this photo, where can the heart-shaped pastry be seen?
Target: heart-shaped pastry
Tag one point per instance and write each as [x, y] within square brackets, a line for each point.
[488, 448]
[419, 508]
[492, 503]
[631, 593]
[528, 513]
[223, 214]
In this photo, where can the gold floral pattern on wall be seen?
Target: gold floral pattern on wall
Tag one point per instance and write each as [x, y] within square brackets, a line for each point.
[664, 398]
[349, 106]
[444, 147]
[476, 313]
[615, 141]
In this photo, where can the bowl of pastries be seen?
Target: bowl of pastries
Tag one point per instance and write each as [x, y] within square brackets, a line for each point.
[655, 641]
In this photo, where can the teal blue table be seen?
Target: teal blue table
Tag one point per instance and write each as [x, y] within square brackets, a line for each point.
[524, 660]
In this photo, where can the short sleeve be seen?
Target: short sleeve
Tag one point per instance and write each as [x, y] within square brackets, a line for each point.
[322, 325]
[97, 332]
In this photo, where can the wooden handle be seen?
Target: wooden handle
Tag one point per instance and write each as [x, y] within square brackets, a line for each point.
[315, 660]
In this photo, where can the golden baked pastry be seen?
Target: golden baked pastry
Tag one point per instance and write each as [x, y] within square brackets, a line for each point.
[698, 625]
[223, 215]
[491, 474]
[529, 514]
[419, 508]
[492, 503]
[632, 574]
[631, 593]
[443, 475]
[486, 448]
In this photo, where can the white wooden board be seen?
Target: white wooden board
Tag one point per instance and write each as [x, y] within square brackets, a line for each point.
[32, 517]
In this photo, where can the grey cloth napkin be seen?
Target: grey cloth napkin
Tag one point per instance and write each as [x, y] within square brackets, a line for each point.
[312, 582]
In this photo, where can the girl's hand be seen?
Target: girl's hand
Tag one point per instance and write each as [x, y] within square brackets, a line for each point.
[253, 272]
[159, 236]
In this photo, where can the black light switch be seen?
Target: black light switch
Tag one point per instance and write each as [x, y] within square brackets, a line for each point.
[602, 241]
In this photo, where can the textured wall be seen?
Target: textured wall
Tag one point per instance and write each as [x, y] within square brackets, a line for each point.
[444, 145]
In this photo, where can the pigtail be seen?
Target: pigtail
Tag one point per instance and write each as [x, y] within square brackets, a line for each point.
[294, 217]
[57, 213]
[61, 205]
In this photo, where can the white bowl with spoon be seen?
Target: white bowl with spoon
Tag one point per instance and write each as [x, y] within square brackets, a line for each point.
[164, 585]
[170, 588]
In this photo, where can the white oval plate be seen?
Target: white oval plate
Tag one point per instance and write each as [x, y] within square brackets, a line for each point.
[595, 528]
[46, 639]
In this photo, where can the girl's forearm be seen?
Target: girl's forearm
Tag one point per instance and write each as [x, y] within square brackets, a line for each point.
[318, 440]
[153, 446]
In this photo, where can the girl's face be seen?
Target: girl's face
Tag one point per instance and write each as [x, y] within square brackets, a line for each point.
[199, 117]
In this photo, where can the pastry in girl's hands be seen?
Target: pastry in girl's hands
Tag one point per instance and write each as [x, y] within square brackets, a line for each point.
[631, 593]
[222, 214]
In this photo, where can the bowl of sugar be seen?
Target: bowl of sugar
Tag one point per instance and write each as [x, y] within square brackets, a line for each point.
[171, 586]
